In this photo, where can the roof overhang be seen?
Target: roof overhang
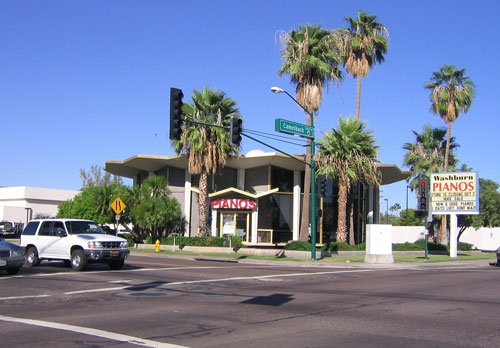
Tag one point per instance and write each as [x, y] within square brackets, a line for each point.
[391, 173]
[132, 167]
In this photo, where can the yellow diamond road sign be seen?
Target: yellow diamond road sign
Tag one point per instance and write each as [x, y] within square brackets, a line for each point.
[118, 205]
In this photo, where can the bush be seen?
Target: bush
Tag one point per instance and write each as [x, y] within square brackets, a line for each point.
[329, 246]
[297, 245]
[336, 246]
[129, 238]
[464, 246]
[198, 241]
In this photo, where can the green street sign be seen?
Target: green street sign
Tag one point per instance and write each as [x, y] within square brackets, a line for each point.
[294, 128]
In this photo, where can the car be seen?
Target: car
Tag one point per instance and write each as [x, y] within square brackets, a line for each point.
[8, 229]
[77, 242]
[11, 257]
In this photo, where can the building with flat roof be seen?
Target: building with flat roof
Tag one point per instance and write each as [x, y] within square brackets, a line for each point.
[21, 203]
[257, 196]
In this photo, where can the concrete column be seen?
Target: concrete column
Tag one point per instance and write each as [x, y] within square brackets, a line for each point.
[453, 235]
[371, 205]
[187, 199]
[255, 221]
[213, 228]
[240, 181]
[296, 205]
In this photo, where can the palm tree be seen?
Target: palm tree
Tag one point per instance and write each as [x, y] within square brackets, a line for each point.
[363, 45]
[394, 208]
[451, 93]
[311, 63]
[348, 155]
[154, 209]
[207, 147]
[427, 155]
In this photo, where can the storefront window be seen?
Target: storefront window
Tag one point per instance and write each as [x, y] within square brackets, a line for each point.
[226, 179]
[275, 216]
[282, 179]
[256, 179]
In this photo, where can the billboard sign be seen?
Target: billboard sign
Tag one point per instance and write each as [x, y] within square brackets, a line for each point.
[454, 193]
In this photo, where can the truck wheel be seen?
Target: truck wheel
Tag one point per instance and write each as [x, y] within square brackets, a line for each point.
[78, 260]
[13, 270]
[32, 258]
[117, 264]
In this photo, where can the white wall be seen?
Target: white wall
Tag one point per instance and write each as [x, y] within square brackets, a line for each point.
[14, 200]
[487, 239]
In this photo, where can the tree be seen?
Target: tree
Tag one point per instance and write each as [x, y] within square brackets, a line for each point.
[489, 210]
[426, 156]
[363, 45]
[207, 147]
[311, 62]
[452, 92]
[93, 203]
[95, 178]
[394, 208]
[407, 220]
[347, 155]
[155, 210]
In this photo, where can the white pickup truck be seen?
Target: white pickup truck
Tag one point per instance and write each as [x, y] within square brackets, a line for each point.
[76, 242]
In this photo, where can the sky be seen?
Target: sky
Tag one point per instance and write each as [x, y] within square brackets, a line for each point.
[84, 82]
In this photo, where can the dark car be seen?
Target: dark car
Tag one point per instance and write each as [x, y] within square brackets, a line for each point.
[11, 257]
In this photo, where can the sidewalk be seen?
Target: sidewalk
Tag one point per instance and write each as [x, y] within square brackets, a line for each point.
[331, 263]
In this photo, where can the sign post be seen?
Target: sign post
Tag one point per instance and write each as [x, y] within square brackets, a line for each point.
[118, 206]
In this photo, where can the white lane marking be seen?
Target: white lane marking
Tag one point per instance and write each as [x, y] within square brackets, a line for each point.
[167, 285]
[111, 271]
[92, 332]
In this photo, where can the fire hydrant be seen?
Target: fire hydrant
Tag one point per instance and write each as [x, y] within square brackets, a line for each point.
[157, 246]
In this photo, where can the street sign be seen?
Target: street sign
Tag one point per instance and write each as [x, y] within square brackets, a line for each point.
[118, 205]
[290, 127]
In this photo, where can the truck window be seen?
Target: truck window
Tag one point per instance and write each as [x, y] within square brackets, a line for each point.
[30, 229]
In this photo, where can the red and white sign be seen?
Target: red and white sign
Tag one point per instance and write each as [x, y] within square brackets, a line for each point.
[233, 203]
[455, 193]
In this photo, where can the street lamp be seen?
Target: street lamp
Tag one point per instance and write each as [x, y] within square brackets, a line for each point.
[312, 165]
[387, 211]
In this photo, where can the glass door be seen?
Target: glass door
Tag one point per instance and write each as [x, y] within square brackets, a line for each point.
[233, 223]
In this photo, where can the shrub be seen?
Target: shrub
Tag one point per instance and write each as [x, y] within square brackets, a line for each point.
[336, 246]
[297, 245]
[464, 246]
[198, 241]
[129, 238]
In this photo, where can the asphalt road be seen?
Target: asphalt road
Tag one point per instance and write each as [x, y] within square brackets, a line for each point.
[163, 302]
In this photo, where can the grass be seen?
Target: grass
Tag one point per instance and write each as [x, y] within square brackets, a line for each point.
[398, 258]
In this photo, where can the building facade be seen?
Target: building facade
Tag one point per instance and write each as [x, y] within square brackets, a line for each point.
[22, 203]
[257, 196]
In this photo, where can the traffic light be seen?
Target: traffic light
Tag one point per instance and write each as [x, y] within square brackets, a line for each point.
[422, 193]
[176, 113]
[235, 130]
[322, 187]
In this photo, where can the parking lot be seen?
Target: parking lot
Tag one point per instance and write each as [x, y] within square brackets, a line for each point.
[165, 302]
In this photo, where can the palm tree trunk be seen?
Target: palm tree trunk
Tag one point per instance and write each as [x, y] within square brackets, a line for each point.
[443, 231]
[351, 217]
[358, 97]
[202, 205]
[342, 215]
[306, 207]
